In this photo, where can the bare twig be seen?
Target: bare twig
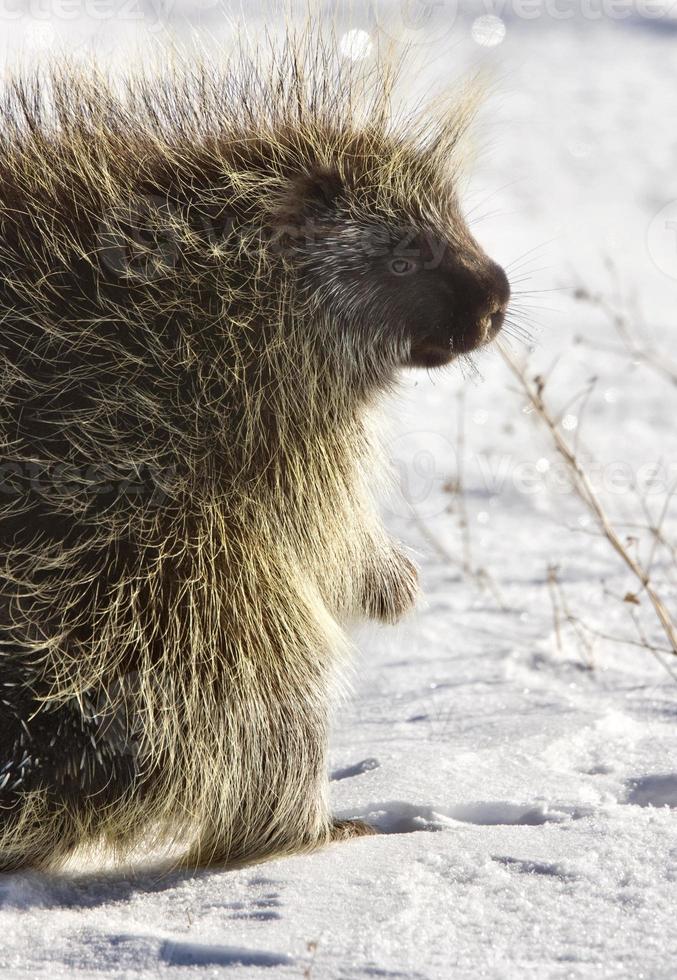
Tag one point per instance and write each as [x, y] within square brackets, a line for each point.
[642, 643]
[434, 542]
[656, 527]
[481, 576]
[581, 627]
[554, 599]
[639, 350]
[463, 522]
[312, 949]
[562, 609]
[533, 389]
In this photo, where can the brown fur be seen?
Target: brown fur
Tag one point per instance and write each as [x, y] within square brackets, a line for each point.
[193, 344]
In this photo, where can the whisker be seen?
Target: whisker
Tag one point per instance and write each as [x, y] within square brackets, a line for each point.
[532, 308]
[531, 292]
[514, 325]
[520, 305]
[487, 197]
[516, 314]
[512, 331]
[484, 216]
[530, 251]
[518, 330]
[509, 341]
[525, 274]
[469, 369]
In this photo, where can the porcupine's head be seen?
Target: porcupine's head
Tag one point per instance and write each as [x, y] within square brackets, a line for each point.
[381, 245]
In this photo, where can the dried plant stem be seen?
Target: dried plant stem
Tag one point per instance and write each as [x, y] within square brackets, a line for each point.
[464, 524]
[533, 389]
[645, 353]
[554, 600]
[482, 578]
[561, 610]
[442, 552]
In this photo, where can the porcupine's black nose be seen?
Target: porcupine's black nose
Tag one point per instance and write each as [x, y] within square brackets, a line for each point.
[499, 289]
[457, 307]
[481, 302]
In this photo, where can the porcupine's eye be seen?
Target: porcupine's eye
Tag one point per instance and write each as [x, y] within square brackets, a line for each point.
[442, 296]
[402, 266]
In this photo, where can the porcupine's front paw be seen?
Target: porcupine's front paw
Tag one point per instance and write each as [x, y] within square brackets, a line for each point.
[345, 829]
[392, 588]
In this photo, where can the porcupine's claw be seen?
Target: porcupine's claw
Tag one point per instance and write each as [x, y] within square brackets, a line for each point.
[346, 829]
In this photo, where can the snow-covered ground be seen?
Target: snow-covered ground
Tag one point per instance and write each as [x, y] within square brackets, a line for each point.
[524, 774]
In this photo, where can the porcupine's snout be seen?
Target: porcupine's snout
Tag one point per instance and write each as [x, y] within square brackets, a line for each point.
[461, 307]
[499, 293]
[480, 297]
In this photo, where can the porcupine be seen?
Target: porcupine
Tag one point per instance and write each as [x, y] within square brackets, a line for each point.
[208, 280]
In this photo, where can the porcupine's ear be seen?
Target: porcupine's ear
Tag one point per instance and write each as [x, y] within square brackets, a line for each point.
[316, 193]
[324, 185]
[307, 208]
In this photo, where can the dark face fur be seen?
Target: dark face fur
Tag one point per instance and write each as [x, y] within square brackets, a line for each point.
[411, 289]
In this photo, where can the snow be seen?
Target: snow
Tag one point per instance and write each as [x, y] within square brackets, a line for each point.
[523, 778]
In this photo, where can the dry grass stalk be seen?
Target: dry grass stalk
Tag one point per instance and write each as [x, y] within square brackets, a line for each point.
[640, 349]
[482, 578]
[562, 612]
[533, 389]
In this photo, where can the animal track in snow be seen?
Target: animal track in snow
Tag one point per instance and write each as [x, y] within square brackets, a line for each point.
[196, 954]
[260, 909]
[547, 869]
[260, 904]
[107, 953]
[489, 814]
[599, 769]
[366, 765]
[656, 790]
[399, 817]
